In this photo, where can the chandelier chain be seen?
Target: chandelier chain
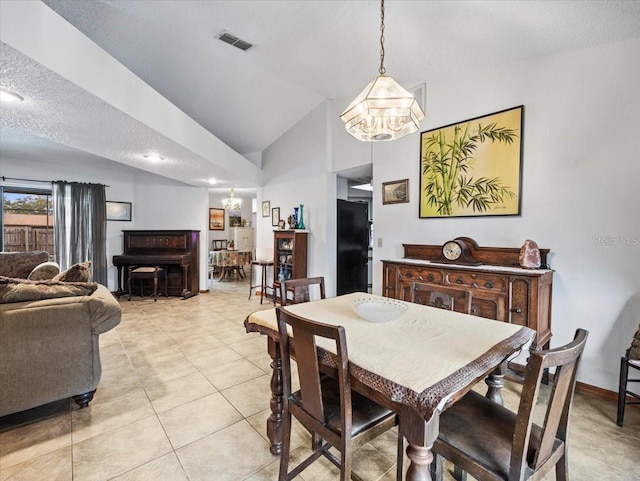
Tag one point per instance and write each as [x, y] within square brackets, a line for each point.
[382, 70]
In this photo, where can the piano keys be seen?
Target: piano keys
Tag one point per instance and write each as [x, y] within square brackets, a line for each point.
[177, 250]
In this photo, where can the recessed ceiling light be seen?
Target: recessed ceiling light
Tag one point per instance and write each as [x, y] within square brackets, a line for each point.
[8, 96]
[212, 181]
[368, 187]
[153, 157]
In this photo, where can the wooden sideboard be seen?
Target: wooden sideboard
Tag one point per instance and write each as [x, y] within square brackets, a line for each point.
[498, 289]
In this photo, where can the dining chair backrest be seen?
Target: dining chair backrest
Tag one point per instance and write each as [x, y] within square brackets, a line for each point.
[219, 244]
[300, 290]
[325, 405]
[565, 360]
[631, 360]
[490, 442]
[441, 297]
[305, 332]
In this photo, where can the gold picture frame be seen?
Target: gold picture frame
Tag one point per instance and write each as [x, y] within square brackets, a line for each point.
[473, 168]
[395, 192]
[216, 219]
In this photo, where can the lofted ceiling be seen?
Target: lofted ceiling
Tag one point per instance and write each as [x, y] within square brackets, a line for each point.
[305, 51]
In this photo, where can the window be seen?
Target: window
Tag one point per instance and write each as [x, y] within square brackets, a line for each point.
[27, 220]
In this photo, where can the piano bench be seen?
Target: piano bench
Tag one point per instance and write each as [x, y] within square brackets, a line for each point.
[143, 273]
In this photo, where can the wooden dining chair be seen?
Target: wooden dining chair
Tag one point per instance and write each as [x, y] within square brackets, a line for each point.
[630, 360]
[299, 290]
[490, 442]
[335, 415]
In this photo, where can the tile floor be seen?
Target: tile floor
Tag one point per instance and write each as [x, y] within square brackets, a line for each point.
[184, 395]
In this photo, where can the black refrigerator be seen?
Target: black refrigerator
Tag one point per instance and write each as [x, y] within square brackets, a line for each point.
[353, 247]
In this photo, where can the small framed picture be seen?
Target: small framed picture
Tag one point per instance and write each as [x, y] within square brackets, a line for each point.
[395, 192]
[216, 219]
[235, 220]
[119, 211]
[275, 216]
[266, 208]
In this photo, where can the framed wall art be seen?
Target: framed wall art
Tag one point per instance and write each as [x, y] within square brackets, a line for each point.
[275, 216]
[235, 220]
[119, 211]
[216, 219]
[473, 168]
[395, 192]
[266, 208]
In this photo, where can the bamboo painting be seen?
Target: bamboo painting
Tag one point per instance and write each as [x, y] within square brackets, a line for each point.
[472, 168]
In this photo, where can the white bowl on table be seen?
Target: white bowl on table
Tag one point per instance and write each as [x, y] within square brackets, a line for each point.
[378, 309]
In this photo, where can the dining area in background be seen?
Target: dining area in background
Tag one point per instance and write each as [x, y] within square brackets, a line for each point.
[416, 361]
[230, 263]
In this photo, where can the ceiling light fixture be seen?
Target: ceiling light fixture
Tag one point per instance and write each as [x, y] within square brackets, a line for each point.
[153, 157]
[232, 203]
[8, 96]
[367, 187]
[383, 110]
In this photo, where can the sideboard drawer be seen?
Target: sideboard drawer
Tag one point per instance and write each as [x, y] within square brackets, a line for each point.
[477, 281]
[419, 274]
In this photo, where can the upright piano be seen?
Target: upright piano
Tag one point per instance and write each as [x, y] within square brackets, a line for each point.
[177, 250]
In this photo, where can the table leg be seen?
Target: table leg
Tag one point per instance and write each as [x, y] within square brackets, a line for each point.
[495, 383]
[420, 435]
[274, 423]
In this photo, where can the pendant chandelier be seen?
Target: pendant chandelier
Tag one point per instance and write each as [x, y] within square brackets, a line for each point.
[231, 203]
[383, 110]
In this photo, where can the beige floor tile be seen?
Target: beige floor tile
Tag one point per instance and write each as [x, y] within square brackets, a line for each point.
[299, 435]
[33, 440]
[106, 415]
[167, 395]
[232, 374]
[197, 419]
[252, 345]
[212, 358]
[114, 453]
[166, 468]
[231, 454]
[53, 466]
[249, 397]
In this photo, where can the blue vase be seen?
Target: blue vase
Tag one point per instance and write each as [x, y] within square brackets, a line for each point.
[295, 217]
[300, 224]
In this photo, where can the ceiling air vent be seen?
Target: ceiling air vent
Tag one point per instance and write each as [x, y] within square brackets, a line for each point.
[235, 41]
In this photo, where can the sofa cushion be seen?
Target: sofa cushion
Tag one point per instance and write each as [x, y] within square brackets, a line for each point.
[44, 271]
[19, 264]
[20, 290]
[79, 272]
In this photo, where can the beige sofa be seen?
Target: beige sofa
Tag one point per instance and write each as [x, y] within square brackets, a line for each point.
[49, 349]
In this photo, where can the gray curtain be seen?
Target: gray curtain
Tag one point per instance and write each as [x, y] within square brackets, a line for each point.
[80, 226]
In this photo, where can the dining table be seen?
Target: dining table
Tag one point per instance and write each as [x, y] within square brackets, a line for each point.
[417, 365]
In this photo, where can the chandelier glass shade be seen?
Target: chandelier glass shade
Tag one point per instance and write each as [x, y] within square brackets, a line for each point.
[383, 110]
[231, 203]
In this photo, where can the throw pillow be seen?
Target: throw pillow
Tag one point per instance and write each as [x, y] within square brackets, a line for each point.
[44, 271]
[20, 290]
[76, 273]
[634, 350]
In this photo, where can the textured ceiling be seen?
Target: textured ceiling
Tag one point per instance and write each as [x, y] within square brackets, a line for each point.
[305, 51]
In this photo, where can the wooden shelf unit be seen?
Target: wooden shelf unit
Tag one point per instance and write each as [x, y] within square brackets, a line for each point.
[289, 256]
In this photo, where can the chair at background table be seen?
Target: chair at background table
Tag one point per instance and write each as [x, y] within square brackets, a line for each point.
[299, 289]
[630, 360]
[155, 274]
[335, 415]
[218, 244]
[493, 443]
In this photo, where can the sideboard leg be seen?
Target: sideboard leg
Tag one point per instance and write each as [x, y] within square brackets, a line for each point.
[274, 423]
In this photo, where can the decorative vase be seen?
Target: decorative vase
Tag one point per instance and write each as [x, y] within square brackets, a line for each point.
[295, 216]
[281, 274]
[301, 220]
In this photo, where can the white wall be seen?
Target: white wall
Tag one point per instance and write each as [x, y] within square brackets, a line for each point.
[296, 171]
[580, 185]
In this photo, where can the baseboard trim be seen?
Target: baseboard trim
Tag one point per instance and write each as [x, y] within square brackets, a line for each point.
[204, 291]
[596, 391]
